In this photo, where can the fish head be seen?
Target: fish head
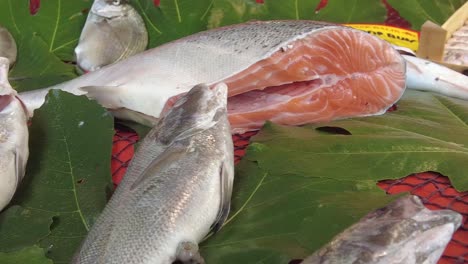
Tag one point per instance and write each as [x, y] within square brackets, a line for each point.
[117, 2]
[203, 100]
[406, 230]
[199, 109]
[110, 8]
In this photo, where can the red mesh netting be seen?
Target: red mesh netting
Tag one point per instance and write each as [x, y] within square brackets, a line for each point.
[434, 189]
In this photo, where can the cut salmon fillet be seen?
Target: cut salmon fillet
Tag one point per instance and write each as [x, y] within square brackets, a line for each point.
[331, 74]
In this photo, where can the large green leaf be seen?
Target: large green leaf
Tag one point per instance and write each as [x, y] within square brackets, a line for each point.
[427, 133]
[418, 11]
[29, 255]
[36, 66]
[44, 40]
[279, 215]
[23, 227]
[173, 18]
[68, 170]
[58, 22]
[294, 179]
[237, 11]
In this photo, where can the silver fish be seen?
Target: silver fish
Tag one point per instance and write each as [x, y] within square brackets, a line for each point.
[429, 76]
[8, 47]
[113, 31]
[14, 149]
[403, 232]
[177, 187]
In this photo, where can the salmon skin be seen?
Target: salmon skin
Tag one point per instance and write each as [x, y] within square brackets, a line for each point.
[290, 72]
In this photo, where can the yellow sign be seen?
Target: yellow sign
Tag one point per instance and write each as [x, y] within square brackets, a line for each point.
[397, 36]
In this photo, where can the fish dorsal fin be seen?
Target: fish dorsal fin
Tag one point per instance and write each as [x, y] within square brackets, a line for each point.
[172, 153]
[225, 197]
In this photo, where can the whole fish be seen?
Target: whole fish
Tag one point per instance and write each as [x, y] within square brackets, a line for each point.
[402, 232]
[113, 31]
[430, 76]
[307, 70]
[289, 72]
[8, 47]
[177, 187]
[13, 137]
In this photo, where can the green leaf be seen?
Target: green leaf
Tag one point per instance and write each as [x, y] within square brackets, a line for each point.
[58, 23]
[23, 227]
[279, 215]
[293, 180]
[44, 40]
[235, 11]
[173, 19]
[37, 67]
[418, 11]
[30, 255]
[353, 11]
[68, 171]
[427, 133]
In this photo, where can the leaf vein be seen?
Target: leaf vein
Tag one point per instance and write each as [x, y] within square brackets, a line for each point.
[147, 18]
[248, 199]
[54, 34]
[86, 226]
[64, 45]
[179, 18]
[12, 17]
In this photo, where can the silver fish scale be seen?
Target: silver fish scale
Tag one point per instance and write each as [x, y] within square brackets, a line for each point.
[250, 42]
[269, 34]
[178, 197]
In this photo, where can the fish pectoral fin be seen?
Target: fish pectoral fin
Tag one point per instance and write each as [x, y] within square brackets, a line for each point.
[19, 166]
[167, 158]
[188, 252]
[101, 94]
[135, 116]
[225, 201]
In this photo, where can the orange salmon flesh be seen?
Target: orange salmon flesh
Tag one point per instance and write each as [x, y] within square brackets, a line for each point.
[332, 74]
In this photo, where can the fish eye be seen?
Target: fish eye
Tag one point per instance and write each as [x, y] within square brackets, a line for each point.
[116, 2]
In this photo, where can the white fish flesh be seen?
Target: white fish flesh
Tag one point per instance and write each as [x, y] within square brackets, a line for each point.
[14, 149]
[177, 187]
[402, 232]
